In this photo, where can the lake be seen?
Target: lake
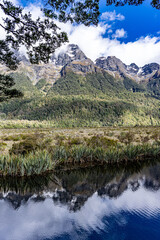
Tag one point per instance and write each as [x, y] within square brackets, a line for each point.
[115, 203]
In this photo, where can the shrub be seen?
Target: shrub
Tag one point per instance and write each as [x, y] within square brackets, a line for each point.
[30, 144]
[126, 137]
[24, 147]
[100, 141]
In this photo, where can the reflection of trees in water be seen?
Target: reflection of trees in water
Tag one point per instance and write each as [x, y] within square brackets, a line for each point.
[73, 188]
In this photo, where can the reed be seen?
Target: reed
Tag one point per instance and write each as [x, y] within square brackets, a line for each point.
[28, 158]
[31, 164]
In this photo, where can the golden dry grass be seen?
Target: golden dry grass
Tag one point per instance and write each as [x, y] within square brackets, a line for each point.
[124, 135]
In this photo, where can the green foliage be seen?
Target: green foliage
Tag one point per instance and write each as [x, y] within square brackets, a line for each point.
[24, 84]
[90, 100]
[132, 85]
[39, 153]
[91, 84]
[12, 138]
[41, 84]
[126, 137]
[84, 109]
[30, 144]
[2, 145]
[154, 86]
[6, 90]
[41, 37]
[75, 141]
[33, 163]
[21, 29]
[100, 141]
[24, 147]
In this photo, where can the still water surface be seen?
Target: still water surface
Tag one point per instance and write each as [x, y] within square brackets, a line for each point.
[97, 203]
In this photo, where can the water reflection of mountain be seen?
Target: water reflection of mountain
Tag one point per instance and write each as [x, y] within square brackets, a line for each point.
[73, 188]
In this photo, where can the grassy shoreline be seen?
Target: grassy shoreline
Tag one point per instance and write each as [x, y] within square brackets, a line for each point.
[31, 152]
[37, 163]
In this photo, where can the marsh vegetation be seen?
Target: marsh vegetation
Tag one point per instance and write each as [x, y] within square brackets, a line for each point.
[26, 152]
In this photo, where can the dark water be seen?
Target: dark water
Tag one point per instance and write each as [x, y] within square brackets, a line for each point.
[95, 204]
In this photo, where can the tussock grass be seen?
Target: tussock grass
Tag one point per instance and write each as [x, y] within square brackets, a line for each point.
[33, 163]
[40, 161]
[42, 151]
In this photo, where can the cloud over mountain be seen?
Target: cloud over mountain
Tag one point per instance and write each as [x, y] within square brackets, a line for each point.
[105, 40]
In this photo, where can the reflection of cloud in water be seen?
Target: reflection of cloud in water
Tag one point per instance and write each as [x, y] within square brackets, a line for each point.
[45, 219]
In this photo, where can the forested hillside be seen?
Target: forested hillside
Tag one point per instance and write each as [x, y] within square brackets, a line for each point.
[96, 99]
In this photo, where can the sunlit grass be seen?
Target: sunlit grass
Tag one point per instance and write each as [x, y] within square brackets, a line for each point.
[34, 163]
[34, 153]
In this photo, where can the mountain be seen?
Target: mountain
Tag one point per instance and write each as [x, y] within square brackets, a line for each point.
[71, 58]
[118, 69]
[72, 90]
[70, 53]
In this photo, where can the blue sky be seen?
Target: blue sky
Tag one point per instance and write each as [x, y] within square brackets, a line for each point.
[142, 20]
[131, 33]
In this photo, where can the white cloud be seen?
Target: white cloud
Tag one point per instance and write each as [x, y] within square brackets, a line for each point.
[95, 43]
[89, 39]
[35, 10]
[16, 2]
[2, 15]
[112, 16]
[110, 31]
[144, 50]
[48, 220]
[2, 31]
[92, 42]
[120, 33]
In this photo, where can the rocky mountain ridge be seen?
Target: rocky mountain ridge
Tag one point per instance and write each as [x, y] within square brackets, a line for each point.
[118, 69]
[73, 59]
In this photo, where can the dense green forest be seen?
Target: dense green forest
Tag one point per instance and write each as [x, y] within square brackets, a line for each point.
[85, 100]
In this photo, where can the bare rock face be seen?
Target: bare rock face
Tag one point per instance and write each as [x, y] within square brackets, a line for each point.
[111, 63]
[117, 68]
[51, 71]
[73, 59]
[150, 68]
[149, 71]
[132, 68]
[72, 52]
[80, 67]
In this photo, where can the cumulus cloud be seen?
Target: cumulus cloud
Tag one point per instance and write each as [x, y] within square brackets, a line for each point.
[95, 43]
[92, 42]
[120, 33]
[48, 220]
[89, 39]
[112, 16]
[143, 51]
[35, 10]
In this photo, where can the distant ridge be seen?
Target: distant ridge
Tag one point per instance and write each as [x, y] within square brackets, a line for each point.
[73, 58]
[72, 90]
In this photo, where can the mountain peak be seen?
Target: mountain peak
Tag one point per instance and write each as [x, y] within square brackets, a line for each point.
[110, 63]
[70, 53]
